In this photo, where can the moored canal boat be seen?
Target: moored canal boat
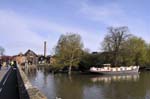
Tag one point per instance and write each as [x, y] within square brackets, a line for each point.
[115, 70]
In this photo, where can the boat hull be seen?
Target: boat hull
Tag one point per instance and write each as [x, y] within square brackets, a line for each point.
[116, 72]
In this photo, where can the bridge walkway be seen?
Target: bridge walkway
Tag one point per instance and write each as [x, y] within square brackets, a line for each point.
[8, 84]
[3, 72]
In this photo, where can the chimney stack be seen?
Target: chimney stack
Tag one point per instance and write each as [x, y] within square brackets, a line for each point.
[45, 48]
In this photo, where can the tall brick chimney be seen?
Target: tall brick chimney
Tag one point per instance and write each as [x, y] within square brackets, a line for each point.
[45, 48]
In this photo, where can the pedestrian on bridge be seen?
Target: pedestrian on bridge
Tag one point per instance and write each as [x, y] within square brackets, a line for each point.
[13, 64]
[8, 64]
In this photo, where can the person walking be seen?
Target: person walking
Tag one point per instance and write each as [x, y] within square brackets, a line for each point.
[12, 63]
[7, 64]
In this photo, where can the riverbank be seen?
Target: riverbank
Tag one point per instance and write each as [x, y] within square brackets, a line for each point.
[56, 70]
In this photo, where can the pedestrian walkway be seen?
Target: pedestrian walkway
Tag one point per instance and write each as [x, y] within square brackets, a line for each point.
[9, 84]
[3, 72]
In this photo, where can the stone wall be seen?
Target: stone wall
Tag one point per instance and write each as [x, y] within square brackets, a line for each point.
[26, 90]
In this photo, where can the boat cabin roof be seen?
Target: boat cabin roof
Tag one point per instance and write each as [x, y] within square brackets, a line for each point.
[108, 65]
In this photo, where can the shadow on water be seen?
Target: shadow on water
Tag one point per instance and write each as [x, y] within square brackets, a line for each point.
[79, 86]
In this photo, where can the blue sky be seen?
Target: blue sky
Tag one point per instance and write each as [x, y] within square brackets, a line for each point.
[26, 24]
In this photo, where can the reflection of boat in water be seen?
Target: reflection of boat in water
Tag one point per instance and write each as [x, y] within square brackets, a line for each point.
[115, 70]
[110, 78]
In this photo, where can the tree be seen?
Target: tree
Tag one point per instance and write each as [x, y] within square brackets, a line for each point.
[114, 40]
[2, 50]
[148, 55]
[68, 51]
[89, 60]
[135, 51]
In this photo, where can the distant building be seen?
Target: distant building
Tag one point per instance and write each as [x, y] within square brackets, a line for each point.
[52, 60]
[4, 60]
[44, 60]
[32, 57]
[20, 58]
[41, 59]
[44, 48]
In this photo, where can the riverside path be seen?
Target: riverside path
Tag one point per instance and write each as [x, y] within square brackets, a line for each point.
[8, 84]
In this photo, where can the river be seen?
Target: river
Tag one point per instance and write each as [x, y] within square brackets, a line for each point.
[81, 86]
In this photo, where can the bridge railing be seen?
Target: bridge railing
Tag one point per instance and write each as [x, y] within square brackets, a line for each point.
[26, 90]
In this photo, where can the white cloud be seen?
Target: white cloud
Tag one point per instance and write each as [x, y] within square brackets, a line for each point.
[15, 34]
[90, 39]
[100, 13]
[112, 14]
[18, 33]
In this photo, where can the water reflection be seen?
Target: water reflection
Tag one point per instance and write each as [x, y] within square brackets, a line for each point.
[112, 78]
[68, 88]
[30, 72]
[80, 86]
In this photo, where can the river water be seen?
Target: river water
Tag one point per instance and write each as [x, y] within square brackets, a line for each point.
[81, 86]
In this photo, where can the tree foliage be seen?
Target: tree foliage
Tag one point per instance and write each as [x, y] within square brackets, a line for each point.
[114, 41]
[125, 49]
[89, 60]
[148, 55]
[134, 51]
[120, 48]
[68, 50]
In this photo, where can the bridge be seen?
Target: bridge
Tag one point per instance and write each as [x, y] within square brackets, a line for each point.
[14, 84]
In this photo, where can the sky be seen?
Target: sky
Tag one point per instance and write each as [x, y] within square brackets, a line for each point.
[26, 24]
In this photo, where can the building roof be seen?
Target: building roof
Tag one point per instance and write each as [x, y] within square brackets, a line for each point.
[30, 52]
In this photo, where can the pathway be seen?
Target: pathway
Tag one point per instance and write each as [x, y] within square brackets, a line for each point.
[3, 72]
[8, 84]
